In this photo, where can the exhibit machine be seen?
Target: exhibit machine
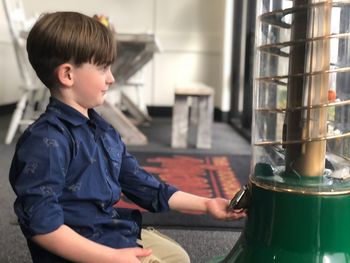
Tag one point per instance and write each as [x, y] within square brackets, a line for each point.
[298, 195]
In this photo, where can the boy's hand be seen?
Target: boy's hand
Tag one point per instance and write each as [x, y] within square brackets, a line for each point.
[218, 208]
[131, 255]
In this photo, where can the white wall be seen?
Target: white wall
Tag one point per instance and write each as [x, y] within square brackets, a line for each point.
[191, 33]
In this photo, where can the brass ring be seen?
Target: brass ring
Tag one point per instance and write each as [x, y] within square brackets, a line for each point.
[297, 191]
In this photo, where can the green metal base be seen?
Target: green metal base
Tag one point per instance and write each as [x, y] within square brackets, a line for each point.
[287, 227]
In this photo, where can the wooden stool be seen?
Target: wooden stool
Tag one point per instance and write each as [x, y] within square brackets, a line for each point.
[201, 99]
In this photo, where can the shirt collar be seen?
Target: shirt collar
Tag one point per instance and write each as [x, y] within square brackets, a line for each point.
[100, 122]
[74, 117]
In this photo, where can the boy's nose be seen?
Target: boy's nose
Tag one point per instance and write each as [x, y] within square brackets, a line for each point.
[110, 77]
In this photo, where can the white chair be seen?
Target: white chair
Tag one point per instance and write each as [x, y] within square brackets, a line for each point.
[34, 96]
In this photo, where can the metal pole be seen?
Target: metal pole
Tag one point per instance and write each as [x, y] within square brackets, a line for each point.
[308, 158]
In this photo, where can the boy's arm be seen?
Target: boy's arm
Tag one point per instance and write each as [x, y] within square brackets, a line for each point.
[68, 244]
[216, 207]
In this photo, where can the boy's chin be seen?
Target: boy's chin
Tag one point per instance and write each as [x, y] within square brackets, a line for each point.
[99, 102]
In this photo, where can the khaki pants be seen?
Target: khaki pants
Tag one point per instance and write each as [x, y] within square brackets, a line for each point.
[164, 249]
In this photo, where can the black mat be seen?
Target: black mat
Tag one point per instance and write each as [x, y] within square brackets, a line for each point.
[204, 175]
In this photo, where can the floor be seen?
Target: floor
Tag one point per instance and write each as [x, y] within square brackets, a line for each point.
[202, 245]
[225, 140]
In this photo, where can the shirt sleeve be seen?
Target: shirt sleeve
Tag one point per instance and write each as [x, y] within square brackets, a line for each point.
[143, 188]
[37, 176]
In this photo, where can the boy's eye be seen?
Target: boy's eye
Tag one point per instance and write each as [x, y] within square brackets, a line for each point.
[108, 67]
[105, 68]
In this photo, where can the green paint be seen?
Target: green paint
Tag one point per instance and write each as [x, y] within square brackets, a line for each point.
[286, 227]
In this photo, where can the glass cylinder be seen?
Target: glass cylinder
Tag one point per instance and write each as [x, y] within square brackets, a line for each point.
[301, 118]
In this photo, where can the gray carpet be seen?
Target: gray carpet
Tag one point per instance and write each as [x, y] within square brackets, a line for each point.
[201, 245]
[225, 140]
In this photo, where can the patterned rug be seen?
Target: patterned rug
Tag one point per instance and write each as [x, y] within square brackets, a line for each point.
[204, 175]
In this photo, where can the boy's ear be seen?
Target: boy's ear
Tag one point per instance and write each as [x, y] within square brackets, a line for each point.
[65, 74]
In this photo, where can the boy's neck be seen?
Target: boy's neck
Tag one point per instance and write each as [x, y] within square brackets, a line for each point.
[70, 103]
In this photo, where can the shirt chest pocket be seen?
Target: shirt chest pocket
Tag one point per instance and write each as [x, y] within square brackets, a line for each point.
[113, 158]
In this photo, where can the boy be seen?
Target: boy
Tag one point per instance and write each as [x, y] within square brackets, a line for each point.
[70, 166]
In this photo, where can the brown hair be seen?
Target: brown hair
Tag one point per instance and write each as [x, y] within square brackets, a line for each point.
[61, 37]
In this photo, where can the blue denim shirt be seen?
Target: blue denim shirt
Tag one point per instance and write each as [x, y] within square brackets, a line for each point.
[69, 169]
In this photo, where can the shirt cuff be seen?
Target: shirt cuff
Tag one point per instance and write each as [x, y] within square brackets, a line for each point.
[43, 221]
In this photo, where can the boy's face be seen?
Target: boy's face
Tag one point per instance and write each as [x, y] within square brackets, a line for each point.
[91, 83]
